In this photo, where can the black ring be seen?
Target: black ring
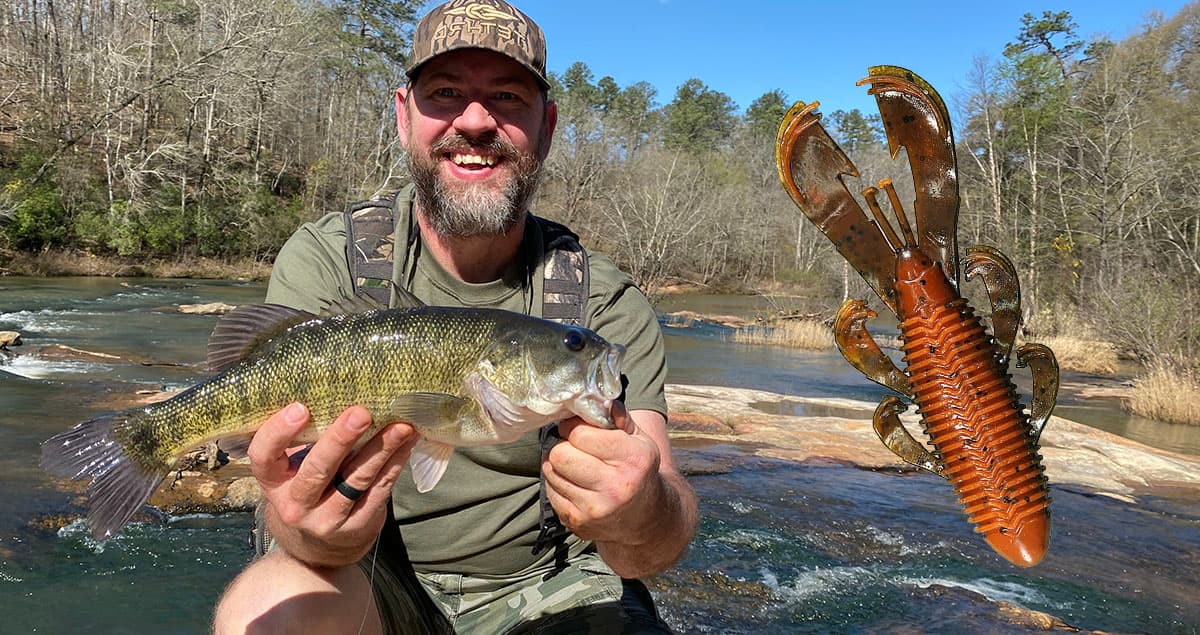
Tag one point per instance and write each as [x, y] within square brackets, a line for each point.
[346, 489]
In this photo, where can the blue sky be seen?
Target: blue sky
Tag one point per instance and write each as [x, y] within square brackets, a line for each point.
[809, 50]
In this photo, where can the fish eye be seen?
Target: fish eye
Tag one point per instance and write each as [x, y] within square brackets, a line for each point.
[573, 340]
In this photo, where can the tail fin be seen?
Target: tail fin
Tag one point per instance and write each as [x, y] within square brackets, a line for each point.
[119, 486]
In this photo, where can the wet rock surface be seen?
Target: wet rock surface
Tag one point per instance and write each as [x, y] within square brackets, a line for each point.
[1074, 454]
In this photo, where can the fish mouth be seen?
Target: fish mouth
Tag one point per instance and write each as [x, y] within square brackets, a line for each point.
[594, 404]
[590, 396]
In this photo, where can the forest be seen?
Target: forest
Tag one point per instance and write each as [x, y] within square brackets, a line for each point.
[173, 129]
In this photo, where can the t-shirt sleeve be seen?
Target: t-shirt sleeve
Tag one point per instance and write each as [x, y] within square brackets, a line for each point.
[310, 270]
[622, 314]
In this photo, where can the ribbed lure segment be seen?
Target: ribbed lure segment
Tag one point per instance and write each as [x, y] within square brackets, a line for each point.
[971, 413]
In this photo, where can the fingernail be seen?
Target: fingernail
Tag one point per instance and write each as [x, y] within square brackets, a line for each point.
[295, 412]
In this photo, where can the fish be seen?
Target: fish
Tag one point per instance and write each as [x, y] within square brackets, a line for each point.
[461, 376]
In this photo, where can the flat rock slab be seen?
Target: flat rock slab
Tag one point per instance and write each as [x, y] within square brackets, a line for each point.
[211, 308]
[1073, 453]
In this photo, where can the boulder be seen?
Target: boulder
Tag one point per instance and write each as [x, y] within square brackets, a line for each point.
[9, 338]
[243, 494]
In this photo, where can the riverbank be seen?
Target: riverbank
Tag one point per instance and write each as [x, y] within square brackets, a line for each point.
[81, 263]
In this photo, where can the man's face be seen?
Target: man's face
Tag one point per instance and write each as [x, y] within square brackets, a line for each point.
[476, 129]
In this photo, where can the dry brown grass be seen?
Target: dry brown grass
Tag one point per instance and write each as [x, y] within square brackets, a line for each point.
[1166, 394]
[1082, 354]
[807, 334]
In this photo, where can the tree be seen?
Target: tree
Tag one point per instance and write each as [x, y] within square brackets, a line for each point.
[855, 131]
[698, 119]
[1041, 33]
[765, 114]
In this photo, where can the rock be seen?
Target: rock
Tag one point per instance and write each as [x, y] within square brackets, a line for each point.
[243, 494]
[211, 308]
[62, 351]
[1074, 454]
[1028, 618]
[697, 422]
[686, 319]
[9, 338]
[202, 491]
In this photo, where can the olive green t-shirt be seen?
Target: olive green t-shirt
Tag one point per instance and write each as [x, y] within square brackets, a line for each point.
[482, 517]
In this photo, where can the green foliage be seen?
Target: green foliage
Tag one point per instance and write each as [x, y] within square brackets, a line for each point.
[699, 119]
[1042, 33]
[37, 220]
[124, 234]
[855, 131]
[32, 214]
[378, 29]
[765, 114]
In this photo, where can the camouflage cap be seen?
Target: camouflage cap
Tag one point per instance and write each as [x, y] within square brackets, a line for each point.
[493, 25]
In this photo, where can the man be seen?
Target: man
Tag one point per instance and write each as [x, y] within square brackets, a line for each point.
[476, 124]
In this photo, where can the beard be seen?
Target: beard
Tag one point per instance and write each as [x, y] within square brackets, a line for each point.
[469, 209]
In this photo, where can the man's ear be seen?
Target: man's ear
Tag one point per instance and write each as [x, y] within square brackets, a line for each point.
[548, 124]
[402, 116]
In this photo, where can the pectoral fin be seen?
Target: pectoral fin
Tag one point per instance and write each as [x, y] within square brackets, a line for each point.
[428, 461]
[427, 409]
[502, 410]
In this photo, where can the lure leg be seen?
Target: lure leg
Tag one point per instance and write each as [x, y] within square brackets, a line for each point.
[897, 438]
[1000, 279]
[1044, 366]
[862, 351]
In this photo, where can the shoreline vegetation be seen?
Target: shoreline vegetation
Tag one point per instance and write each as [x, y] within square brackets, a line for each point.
[1161, 392]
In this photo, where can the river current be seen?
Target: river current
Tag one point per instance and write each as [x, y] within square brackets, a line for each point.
[783, 547]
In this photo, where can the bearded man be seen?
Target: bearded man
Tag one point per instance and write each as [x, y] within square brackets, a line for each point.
[355, 547]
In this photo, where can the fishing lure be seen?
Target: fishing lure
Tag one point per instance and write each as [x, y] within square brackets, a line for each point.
[983, 441]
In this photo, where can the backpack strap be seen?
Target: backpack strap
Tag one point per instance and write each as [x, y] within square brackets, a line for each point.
[564, 296]
[370, 234]
[565, 284]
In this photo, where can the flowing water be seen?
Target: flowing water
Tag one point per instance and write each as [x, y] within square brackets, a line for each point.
[783, 547]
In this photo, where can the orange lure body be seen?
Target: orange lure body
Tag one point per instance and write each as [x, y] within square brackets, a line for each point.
[971, 413]
[983, 441]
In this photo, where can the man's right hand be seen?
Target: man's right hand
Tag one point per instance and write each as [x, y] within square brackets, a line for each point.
[308, 517]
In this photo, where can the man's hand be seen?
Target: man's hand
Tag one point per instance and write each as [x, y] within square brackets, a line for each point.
[312, 521]
[619, 489]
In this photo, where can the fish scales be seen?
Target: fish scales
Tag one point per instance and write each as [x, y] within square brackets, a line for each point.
[330, 364]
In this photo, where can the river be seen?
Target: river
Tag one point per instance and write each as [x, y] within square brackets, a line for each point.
[783, 547]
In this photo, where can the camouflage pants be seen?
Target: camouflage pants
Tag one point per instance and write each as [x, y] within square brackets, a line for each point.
[585, 597]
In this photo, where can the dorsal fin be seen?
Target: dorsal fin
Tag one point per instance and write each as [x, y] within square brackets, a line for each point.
[363, 303]
[351, 305]
[241, 331]
[406, 299]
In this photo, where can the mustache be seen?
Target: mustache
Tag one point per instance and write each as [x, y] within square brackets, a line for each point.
[492, 144]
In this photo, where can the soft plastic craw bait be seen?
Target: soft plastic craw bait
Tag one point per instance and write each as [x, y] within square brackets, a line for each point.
[984, 443]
